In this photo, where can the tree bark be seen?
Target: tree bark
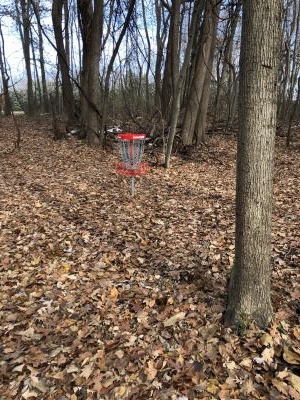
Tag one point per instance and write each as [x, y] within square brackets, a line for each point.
[46, 104]
[292, 116]
[290, 40]
[249, 288]
[130, 9]
[37, 99]
[67, 90]
[226, 79]
[91, 26]
[294, 64]
[171, 71]
[24, 29]
[178, 89]
[200, 126]
[6, 105]
[149, 50]
[160, 41]
[198, 79]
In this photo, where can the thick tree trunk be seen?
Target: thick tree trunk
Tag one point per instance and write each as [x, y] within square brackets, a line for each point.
[91, 25]
[171, 71]
[178, 88]
[200, 126]
[6, 105]
[249, 288]
[67, 90]
[198, 79]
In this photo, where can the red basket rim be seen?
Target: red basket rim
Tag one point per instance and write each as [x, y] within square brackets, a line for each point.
[131, 136]
[140, 169]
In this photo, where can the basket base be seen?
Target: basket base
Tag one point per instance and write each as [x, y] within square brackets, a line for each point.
[125, 169]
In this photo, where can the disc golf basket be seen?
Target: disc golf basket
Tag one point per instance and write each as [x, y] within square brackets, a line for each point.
[131, 147]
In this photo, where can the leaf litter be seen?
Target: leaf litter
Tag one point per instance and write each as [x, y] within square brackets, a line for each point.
[105, 296]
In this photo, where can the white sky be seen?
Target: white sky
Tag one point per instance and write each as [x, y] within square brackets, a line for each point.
[14, 52]
[13, 48]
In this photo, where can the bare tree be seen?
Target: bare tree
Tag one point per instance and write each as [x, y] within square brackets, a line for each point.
[249, 289]
[179, 83]
[226, 74]
[161, 36]
[200, 126]
[90, 14]
[125, 26]
[171, 70]
[290, 62]
[23, 13]
[63, 57]
[203, 63]
[6, 103]
[46, 104]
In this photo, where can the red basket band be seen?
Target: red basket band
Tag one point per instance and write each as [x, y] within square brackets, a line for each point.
[132, 170]
[131, 136]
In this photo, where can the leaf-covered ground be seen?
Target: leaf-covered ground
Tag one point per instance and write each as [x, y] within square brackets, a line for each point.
[104, 296]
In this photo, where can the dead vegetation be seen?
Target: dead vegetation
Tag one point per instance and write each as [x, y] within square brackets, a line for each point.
[108, 297]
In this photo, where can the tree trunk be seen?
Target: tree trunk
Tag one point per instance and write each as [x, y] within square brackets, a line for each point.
[45, 95]
[200, 127]
[67, 90]
[46, 104]
[227, 66]
[24, 29]
[37, 85]
[292, 116]
[130, 9]
[198, 79]
[6, 105]
[249, 288]
[149, 51]
[91, 26]
[294, 63]
[171, 70]
[178, 89]
[160, 40]
[290, 43]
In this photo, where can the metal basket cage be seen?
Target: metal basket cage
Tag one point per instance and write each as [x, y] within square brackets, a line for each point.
[131, 147]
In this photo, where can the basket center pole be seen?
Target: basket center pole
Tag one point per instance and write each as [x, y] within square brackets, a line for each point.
[131, 151]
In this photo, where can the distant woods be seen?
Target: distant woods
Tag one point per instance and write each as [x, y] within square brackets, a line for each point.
[166, 67]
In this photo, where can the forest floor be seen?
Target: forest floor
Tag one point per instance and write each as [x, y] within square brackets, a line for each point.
[105, 296]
